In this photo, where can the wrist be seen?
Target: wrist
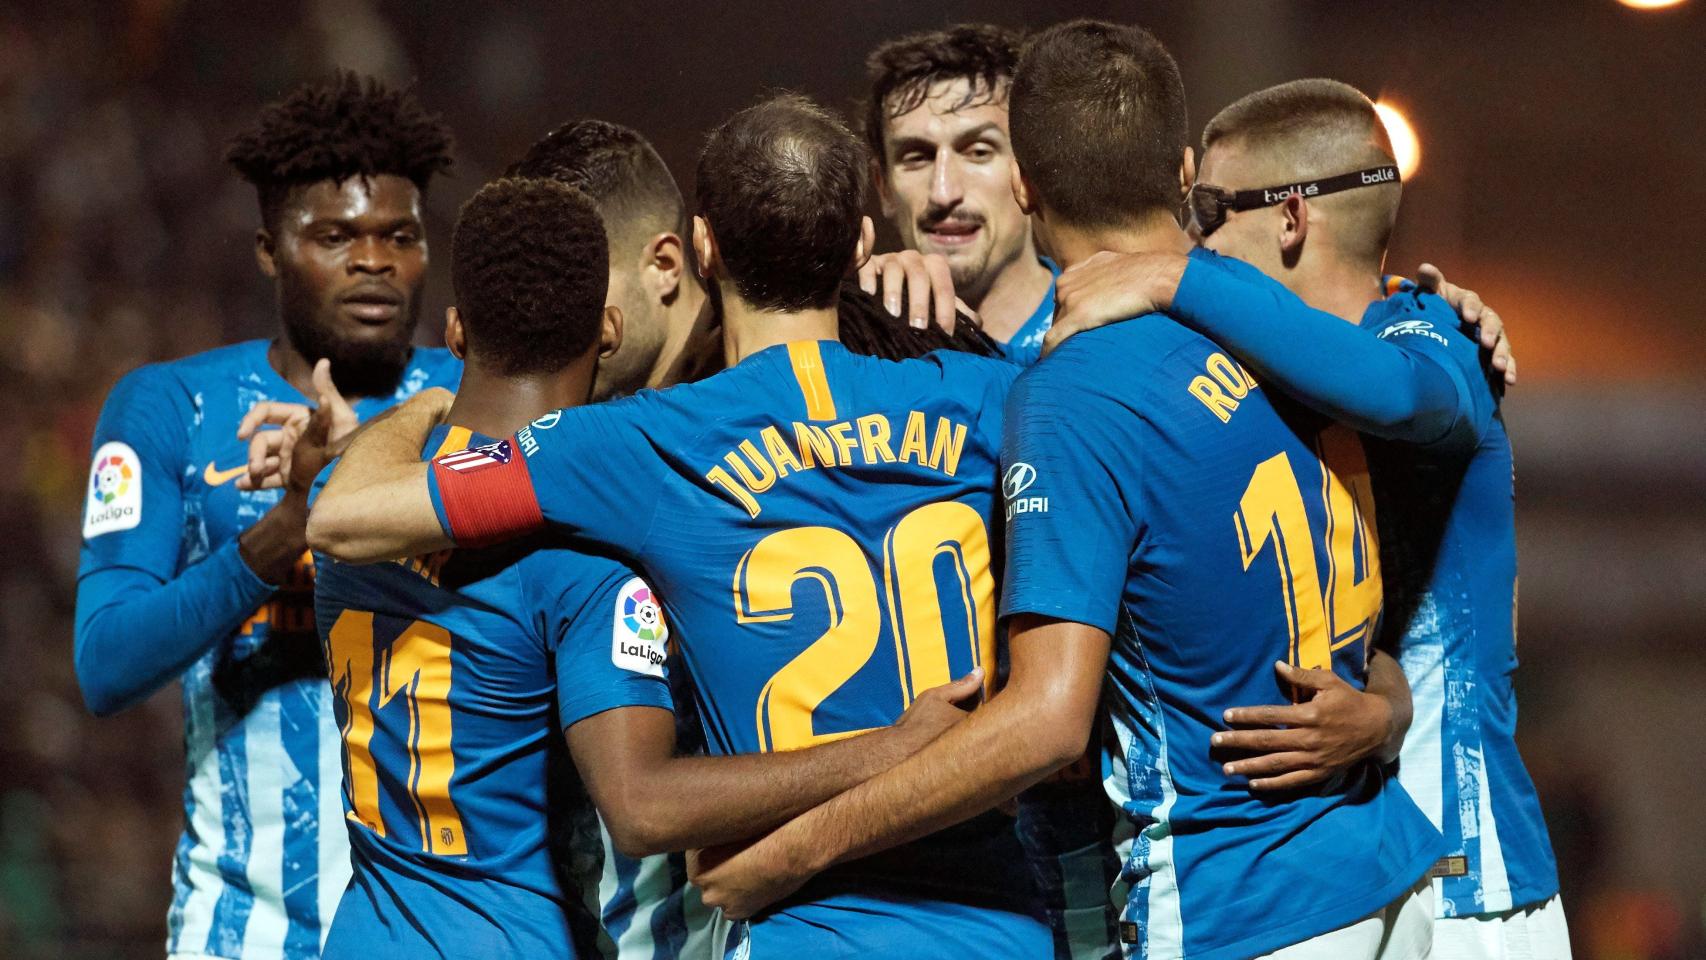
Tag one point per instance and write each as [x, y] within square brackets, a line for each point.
[1164, 282]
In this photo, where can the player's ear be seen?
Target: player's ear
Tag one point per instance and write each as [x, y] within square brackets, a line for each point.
[610, 332]
[264, 249]
[1294, 228]
[1187, 173]
[664, 260]
[455, 335]
[704, 247]
[1023, 195]
[867, 242]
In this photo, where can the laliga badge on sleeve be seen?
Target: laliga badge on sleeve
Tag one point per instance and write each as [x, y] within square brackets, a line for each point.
[115, 491]
[638, 635]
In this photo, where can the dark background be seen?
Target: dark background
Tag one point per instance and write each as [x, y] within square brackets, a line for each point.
[1563, 174]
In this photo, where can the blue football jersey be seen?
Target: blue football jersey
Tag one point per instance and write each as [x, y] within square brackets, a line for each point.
[1025, 347]
[1448, 553]
[454, 676]
[1156, 492]
[262, 859]
[819, 525]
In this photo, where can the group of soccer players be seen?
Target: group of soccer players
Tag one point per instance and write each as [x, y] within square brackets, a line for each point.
[1229, 577]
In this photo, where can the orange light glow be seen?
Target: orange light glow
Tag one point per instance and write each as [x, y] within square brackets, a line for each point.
[1405, 146]
[1649, 4]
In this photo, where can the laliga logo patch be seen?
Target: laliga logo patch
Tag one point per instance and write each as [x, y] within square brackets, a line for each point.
[115, 490]
[638, 633]
[1019, 478]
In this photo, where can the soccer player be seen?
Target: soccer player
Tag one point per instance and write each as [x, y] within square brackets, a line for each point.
[1165, 509]
[1298, 180]
[818, 525]
[455, 672]
[936, 123]
[671, 327]
[184, 575]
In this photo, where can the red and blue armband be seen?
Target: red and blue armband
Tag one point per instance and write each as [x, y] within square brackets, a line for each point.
[484, 494]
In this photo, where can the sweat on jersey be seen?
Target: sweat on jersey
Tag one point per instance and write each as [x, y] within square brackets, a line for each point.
[1154, 490]
[820, 526]
[454, 676]
[162, 593]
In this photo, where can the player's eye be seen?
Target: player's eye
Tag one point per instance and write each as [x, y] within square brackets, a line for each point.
[913, 159]
[405, 238]
[333, 238]
[980, 153]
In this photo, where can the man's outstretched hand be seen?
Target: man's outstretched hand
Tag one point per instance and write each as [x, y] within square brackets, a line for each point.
[1334, 726]
[306, 438]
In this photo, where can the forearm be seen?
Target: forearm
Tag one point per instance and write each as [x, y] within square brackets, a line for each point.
[272, 547]
[135, 634]
[1322, 360]
[375, 506]
[1006, 746]
[1386, 680]
[690, 802]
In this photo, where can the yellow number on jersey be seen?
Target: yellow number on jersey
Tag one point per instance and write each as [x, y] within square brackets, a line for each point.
[1318, 621]
[417, 665]
[763, 591]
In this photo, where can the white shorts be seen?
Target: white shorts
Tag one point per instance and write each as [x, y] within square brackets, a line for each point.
[1536, 932]
[1401, 930]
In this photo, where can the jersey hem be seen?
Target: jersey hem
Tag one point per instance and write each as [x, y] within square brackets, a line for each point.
[1344, 913]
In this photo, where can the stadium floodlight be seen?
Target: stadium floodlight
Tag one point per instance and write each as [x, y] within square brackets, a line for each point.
[1407, 149]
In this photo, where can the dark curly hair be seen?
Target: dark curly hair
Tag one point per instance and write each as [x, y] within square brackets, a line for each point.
[617, 168]
[530, 266]
[347, 126]
[782, 184]
[901, 72]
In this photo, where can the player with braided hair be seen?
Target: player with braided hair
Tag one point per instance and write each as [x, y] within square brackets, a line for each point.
[188, 575]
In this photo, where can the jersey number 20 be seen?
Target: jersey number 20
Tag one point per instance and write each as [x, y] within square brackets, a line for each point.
[763, 588]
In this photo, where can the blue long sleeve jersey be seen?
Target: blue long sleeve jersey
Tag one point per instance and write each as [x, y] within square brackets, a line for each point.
[162, 593]
[1444, 490]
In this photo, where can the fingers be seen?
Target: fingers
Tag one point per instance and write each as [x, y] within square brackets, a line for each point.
[269, 413]
[893, 279]
[965, 688]
[942, 291]
[868, 273]
[1429, 278]
[918, 293]
[1265, 716]
[970, 314]
[1306, 679]
[1261, 740]
[1269, 764]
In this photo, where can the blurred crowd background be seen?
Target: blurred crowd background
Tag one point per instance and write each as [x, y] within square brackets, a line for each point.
[1563, 173]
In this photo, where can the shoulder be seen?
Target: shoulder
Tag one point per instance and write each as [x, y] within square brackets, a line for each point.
[566, 583]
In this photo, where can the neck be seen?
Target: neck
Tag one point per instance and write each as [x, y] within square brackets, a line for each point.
[747, 330]
[498, 406]
[1339, 287]
[1156, 233]
[689, 311]
[1014, 294]
[296, 369]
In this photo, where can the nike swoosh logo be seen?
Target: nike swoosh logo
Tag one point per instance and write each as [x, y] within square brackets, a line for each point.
[215, 478]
